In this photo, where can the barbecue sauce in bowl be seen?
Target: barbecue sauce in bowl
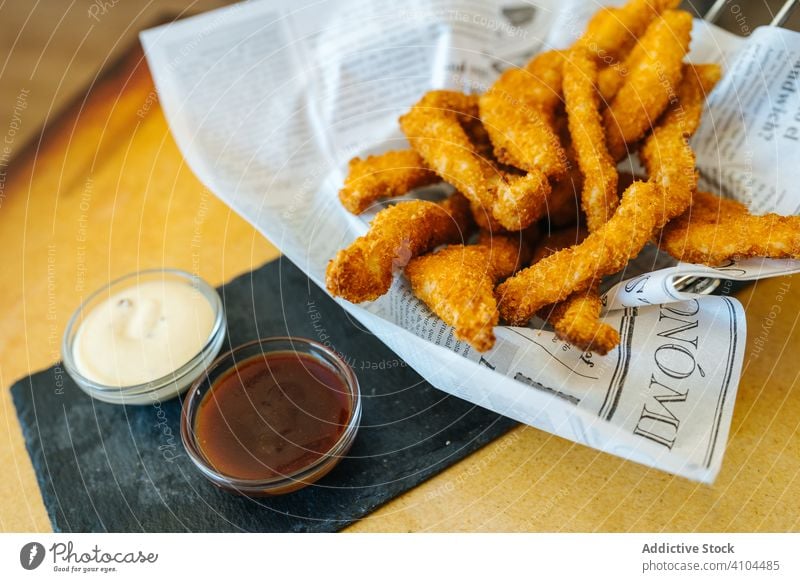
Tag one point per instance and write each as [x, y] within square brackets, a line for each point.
[272, 415]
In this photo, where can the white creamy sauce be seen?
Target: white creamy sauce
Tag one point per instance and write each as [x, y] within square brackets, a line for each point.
[142, 333]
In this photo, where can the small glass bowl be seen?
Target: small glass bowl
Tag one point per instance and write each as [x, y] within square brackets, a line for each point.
[167, 386]
[300, 478]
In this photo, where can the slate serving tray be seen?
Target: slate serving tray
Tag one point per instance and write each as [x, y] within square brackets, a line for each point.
[105, 467]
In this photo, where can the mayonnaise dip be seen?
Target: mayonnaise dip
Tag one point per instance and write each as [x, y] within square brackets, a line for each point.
[142, 333]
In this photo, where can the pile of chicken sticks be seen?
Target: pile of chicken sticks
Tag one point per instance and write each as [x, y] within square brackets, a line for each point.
[540, 214]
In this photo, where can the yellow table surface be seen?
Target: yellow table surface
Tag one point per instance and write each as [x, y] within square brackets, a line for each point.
[105, 191]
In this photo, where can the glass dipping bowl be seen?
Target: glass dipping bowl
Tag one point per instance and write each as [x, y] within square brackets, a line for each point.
[306, 475]
[162, 388]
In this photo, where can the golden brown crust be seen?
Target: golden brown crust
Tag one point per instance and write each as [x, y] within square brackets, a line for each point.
[558, 240]
[454, 284]
[577, 321]
[508, 252]
[599, 193]
[666, 153]
[484, 220]
[387, 175]
[457, 284]
[613, 31]
[517, 113]
[434, 127]
[519, 200]
[715, 230]
[577, 318]
[547, 71]
[612, 77]
[503, 151]
[651, 83]
[364, 270]
[685, 114]
[645, 205]
[609, 80]
[578, 268]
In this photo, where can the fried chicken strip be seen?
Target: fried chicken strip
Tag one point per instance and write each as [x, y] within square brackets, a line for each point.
[517, 112]
[519, 200]
[611, 78]
[612, 31]
[434, 127]
[666, 153]
[599, 194]
[645, 205]
[579, 267]
[651, 83]
[364, 270]
[577, 318]
[716, 229]
[457, 284]
[544, 91]
[696, 84]
[387, 175]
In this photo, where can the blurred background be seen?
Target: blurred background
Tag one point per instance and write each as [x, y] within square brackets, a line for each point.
[55, 48]
[52, 50]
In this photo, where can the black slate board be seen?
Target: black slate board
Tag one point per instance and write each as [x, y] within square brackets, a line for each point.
[105, 467]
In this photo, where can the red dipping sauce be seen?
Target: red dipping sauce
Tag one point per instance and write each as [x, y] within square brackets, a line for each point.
[268, 420]
[272, 415]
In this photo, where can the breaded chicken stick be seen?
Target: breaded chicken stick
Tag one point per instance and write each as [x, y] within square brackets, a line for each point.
[651, 83]
[599, 195]
[666, 153]
[457, 284]
[517, 112]
[435, 129]
[645, 205]
[578, 268]
[577, 318]
[640, 14]
[613, 31]
[715, 230]
[364, 270]
[387, 175]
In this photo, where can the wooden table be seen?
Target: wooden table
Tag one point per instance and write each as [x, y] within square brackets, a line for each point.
[105, 191]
